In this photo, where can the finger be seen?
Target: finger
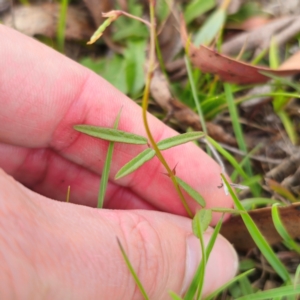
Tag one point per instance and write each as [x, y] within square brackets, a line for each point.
[41, 107]
[71, 251]
[49, 174]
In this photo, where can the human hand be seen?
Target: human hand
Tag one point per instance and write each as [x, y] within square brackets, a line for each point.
[55, 250]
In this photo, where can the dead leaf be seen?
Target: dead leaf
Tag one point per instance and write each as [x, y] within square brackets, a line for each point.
[228, 69]
[43, 19]
[258, 38]
[237, 234]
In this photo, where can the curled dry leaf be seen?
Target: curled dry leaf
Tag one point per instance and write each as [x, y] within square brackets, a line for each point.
[228, 69]
[43, 19]
[235, 231]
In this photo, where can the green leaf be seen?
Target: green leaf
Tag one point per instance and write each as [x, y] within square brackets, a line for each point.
[274, 54]
[128, 29]
[112, 69]
[288, 126]
[213, 238]
[204, 216]
[179, 139]
[237, 128]
[132, 271]
[297, 276]
[258, 238]
[112, 135]
[282, 230]
[193, 193]
[106, 168]
[226, 285]
[198, 279]
[135, 163]
[251, 203]
[62, 25]
[197, 8]
[195, 95]
[174, 296]
[211, 28]
[228, 156]
[134, 56]
[283, 291]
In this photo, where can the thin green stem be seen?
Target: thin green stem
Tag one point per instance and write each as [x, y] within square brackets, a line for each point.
[145, 107]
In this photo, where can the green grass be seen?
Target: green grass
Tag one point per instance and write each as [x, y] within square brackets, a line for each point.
[62, 25]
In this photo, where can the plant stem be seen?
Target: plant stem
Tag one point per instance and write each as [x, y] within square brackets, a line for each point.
[145, 107]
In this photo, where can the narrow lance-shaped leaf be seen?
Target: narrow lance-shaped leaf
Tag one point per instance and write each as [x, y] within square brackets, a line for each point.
[179, 139]
[112, 135]
[106, 168]
[147, 154]
[193, 193]
[135, 163]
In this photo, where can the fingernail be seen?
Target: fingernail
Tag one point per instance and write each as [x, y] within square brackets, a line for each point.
[193, 257]
[220, 268]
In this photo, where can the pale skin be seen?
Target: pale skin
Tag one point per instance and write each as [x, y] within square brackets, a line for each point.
[55, 250]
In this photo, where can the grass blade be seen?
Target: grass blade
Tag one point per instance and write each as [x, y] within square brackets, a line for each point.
[133, 273]
[273, 293]
[135, 163]
[252, 203]
[112, 135]
[62, 25]
[297, 277]
[193, 193]
[281, 229]
[288, 126]
[106, 168]
[198, 280]
[193, 286]
[179, 139]
[226, 285]
[239, 133]
[258, 238]
[213, 238]
[229, 157]
[195, 96]
[174, 296]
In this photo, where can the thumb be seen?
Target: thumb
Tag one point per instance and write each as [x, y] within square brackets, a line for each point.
[63, 251]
